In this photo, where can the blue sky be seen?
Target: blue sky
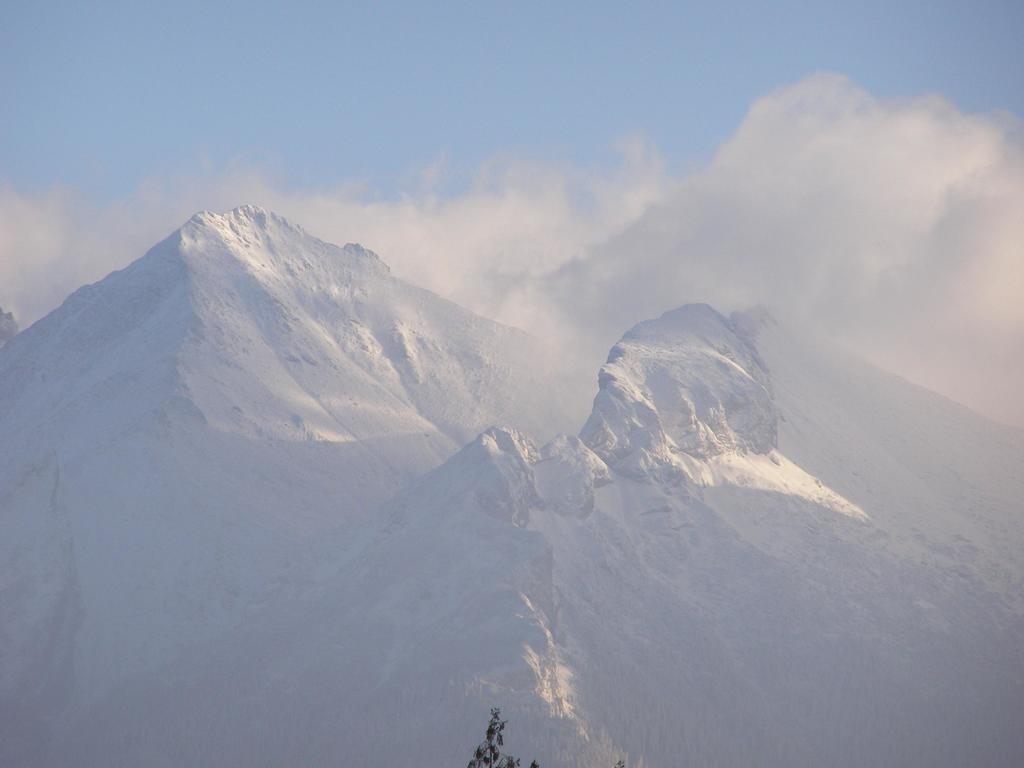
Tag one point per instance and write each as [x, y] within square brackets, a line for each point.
[102, 96]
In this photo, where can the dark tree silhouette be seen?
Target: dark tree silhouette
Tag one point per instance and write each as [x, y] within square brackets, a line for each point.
[488, 754]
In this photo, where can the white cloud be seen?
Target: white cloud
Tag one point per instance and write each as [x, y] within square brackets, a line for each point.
[895, 226]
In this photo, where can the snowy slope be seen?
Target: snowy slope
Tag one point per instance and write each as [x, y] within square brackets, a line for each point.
[179, 437]
[838, 585]
[759, 551]
[417, 629]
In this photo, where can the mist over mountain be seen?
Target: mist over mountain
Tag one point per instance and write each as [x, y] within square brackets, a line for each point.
[261, 501]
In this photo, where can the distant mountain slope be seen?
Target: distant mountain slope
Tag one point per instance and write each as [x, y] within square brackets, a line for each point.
[941, 481]
[734, 564]
[177, 437]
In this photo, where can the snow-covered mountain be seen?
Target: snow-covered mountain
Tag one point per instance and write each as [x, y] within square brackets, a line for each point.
[676, 586]
[820, 562]
[177, 437]
[757, 551]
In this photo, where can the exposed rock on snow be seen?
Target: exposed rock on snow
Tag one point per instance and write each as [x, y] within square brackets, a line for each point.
[685, 386]
[492, 474]
[568, 474]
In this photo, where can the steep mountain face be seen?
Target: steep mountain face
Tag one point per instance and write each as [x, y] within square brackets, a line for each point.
[758, 552]
[685, 386]
[181, 439]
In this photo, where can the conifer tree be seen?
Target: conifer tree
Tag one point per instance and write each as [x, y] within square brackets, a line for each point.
[488, 754]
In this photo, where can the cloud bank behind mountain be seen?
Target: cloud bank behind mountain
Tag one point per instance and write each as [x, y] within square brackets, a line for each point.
[893, 226]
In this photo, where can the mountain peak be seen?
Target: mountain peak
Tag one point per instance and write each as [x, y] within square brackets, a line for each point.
[250, 217]
[493, 472]
[274, 334]
[243, 213]
[255, 235]
[688, 385]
